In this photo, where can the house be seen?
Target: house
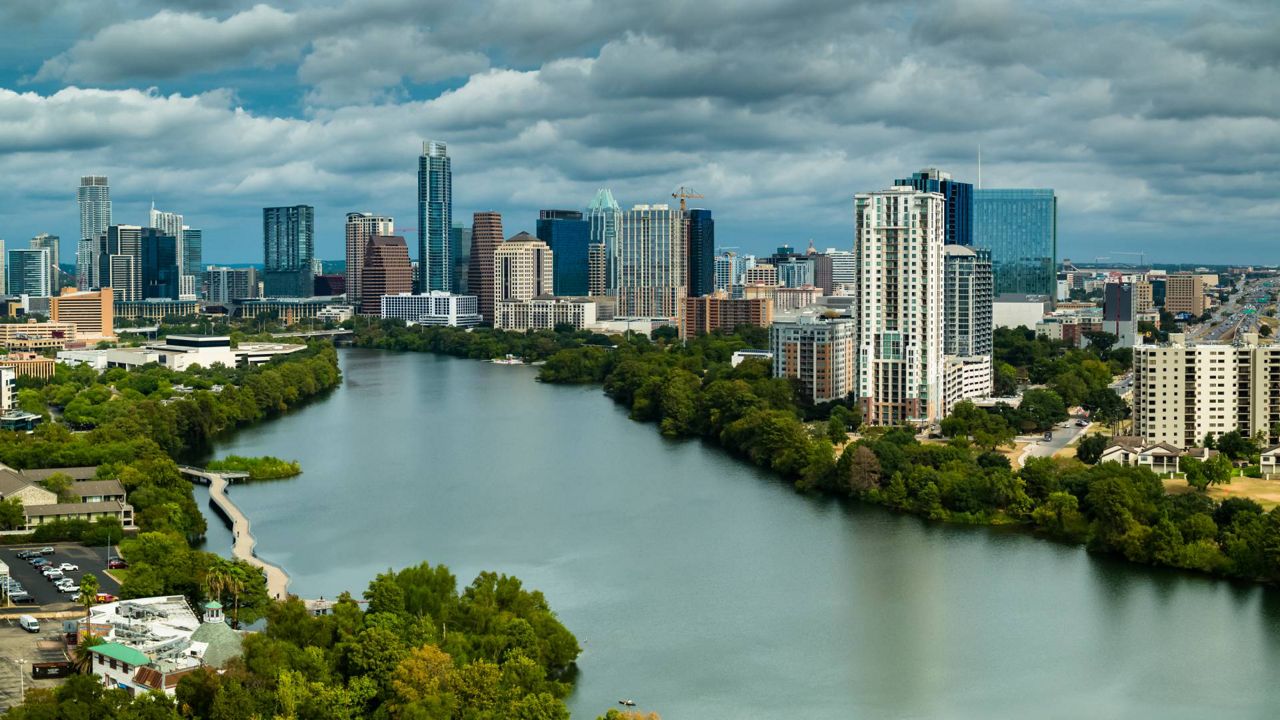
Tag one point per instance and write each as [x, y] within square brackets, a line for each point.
[1269, 462]
[95, 499]
[1161, 458]
[115, 664]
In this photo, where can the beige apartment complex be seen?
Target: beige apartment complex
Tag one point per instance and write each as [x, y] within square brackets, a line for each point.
[522, 269]
[1184, 293]
[1183, 392]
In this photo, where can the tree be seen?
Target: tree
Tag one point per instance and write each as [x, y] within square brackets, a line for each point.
[1236, 446]
[88, 594]
[1090, 448]
[859, 469]
[12, 514]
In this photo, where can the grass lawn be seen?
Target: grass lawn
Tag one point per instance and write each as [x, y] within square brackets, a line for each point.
[1264, 492]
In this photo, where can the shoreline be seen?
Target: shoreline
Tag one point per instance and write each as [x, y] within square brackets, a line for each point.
[243, 543]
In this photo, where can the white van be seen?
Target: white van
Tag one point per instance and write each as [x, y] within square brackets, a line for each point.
[29, 623]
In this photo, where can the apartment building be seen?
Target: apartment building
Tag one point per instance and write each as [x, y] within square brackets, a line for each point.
[819, 352]
[1184, 293]
[718, 311]
[92, 313]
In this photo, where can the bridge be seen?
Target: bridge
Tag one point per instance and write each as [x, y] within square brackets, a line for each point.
[243, 543]
[335, 334]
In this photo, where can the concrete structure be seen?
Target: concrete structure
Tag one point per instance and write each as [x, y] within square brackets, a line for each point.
[648, 261]
[740, 355]
[522, 270]
[155, 309]
[967, 300]
[336, 313]
[1183, 392]
[28, 364]
[435, 217]
[33, 336]
[597, 270]
[290, 310]
[1119, 313]
[720, 312]
[545, 313]
[258, 353]
[91, 312]
[386, 271]
[8, 389]
[1184, 293]
[228, 285]
[179, 352]
[965, 378]
[760, 274]
[783, 299]
[94, 197]
[1070, 328]
[486, 236]
[434, 308]
[899, 243]
[360, 227]
[288, 247]
[817, 351]
[1013, 310]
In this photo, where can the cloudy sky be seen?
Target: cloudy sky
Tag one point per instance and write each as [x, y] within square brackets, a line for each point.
[1157, 121]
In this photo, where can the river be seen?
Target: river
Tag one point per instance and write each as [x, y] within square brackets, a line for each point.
[704, 588]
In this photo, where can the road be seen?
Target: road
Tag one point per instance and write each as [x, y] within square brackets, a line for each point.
[1063, 435]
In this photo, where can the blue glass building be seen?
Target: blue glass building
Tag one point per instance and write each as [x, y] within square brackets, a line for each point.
[569, 237]
[1020, 228]
[959, 202]
[435, 217]
[288, 245]
[159, 267]
[702, 253]
[460, 256]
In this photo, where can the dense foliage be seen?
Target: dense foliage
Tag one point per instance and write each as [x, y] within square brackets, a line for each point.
[259, 468]
[1077, 377]
[420, 649]
[476, 343]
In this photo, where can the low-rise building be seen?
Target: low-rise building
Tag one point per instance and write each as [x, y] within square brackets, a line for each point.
[258, 353]
[544, 312]
[433, 308]
[289, 310]
[1161, 458]
[155, 308]
[336, 313]
[1014, 310]
[965, 377]
[33, 335]
[94, 500]
[29, 364]
[740, 355]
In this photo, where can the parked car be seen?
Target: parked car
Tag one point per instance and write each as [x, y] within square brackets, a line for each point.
[67, 567]
[37, 562]
[117, 564]
[46, 550]
[22, 598]
[53, 575]
[1082, 423]
[73, 590]
[29, 623]
[27, 554]
[105, 598]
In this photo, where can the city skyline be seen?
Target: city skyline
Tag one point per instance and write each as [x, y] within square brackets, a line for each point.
[1173, 156]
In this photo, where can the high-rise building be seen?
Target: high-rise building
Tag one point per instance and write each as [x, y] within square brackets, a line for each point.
[161, 277]
[818, 351]
[718, 311]
[228, 284]
[702, 252]
[844, 267]
[94, 197]
[898, 240]
[1184, 293]
[597, 270]
[193, 256]
[522, 269]
[28, 272]
[486, 236]
[435, 217]
[569, 237]
[794, 272]
[724, 273]
[288, 246]
[823, 271]
[1119, 312]
[460, 256]
[170, 224]
[45, 241]
[360, 227]
[967, 298]
[387, 271]
[761, 274]
[119, 258]
[91, 311]
[958, 197]
[1020, 228]
[649, 262]
[604, 216]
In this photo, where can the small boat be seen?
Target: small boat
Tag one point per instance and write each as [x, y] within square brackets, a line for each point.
[627, 703]
[508, 360]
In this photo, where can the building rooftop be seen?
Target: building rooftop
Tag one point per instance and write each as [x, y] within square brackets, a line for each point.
[121, 653]
[80, 508]
[88, 472]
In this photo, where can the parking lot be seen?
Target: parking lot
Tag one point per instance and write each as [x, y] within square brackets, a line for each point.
[18, 649]
[89, 559]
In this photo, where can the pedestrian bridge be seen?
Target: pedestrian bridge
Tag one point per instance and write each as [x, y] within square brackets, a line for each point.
[243, 545]
[206, 477]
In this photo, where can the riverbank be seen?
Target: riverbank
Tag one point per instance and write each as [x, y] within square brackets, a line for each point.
[244, 544]
[690, 390]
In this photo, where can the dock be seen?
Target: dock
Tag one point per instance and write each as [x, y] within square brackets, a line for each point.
[243, 544]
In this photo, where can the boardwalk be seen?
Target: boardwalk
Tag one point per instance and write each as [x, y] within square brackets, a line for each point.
[243, 544]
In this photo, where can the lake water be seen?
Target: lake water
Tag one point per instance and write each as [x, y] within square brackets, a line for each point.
[704, 588]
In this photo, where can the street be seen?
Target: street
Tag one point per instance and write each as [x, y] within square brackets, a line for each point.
[1063, 435]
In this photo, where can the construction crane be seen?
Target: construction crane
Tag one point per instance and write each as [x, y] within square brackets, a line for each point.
[1142, 256]
[684, 193]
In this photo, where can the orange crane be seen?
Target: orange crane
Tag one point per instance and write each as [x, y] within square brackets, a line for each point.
[684, 193]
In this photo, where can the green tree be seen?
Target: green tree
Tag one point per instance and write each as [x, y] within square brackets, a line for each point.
[1090, 448]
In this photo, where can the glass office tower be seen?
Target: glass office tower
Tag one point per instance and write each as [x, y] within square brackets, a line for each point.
[1020, 228]
[959, 201]
[435, 217]
[569, 237]
[702, 253]
[288, 239]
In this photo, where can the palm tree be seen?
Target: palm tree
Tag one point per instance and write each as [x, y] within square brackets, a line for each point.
[218, 578]
[81, 658]
[236, 583]
[88, 595]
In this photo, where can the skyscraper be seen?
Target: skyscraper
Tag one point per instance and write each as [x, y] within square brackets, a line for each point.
[193, 256]
[649, 262]
[460, 256]
[360, 227]
[898, 240]
[229, 284]
[171, 225]
[45, 241]
[597, 270]
[967, 288]
[523, 269]
[435, 217]
[702, 252]
[1020, 228]
[288, 241]
[604, 216]
[486, 236]
[569, 237]
[387, 271]
[959, 201]
[160, 275]
[119, 261]
[94, 197]
[28, 272]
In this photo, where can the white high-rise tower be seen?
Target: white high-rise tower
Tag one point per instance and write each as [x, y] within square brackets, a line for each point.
[94, 196]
